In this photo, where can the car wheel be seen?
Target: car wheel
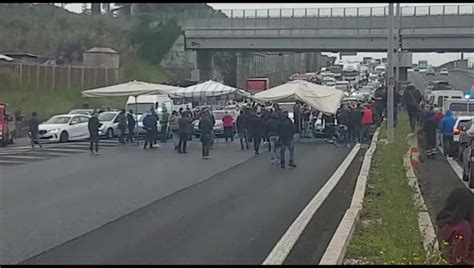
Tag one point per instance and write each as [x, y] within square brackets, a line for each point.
[109, 134]
[64, 137]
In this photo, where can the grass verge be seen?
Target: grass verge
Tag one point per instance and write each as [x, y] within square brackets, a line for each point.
[387, 231]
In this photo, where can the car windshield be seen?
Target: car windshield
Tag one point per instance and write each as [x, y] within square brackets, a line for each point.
[58, 120]
[106, 116]
[141, 108]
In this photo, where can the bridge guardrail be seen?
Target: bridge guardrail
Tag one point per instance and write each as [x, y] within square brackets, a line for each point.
[337, 12]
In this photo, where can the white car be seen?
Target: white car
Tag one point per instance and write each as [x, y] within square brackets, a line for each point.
[109, 126]
[64, 128]
[443, 71]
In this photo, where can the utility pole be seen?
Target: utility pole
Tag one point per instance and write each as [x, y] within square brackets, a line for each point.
[399, 47]
[390, 134]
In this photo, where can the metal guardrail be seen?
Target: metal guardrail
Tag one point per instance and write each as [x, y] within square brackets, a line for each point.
[334, 12]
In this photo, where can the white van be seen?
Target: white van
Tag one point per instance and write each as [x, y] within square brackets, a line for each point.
[439, 97]
[145, 102]
[459, 107]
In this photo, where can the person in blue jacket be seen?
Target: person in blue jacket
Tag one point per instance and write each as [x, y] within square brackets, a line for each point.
[446, 126]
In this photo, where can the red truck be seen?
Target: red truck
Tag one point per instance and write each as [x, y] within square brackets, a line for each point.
[5, 134]
[257, 84]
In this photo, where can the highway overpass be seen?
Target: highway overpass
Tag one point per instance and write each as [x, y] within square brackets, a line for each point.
[423, 29]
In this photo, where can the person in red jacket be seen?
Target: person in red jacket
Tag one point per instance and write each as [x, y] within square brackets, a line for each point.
[438, 116]
[367, 121]
[227, 121]
[455, 227]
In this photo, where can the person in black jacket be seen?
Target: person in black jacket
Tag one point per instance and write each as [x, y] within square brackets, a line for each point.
[356, 123]
[93, 126]
[344, 121]
[185, 129]
[411, 99]
[34, 131]
[131, 126]
[122, 125]
[149, 122]
[286, 132]
[272, 128]
[429, 130]
[257, 130]
[206, 126]
[242, 128]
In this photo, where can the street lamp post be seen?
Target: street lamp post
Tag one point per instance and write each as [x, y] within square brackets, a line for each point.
[390, 134]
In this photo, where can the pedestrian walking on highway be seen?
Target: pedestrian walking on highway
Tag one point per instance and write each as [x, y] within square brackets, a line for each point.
[34, 131]
[228, 123]
[344, 122]
[242, 129]
[149, 123]
[206, 126]
[446, 127]
[286, 132]
[93, 126]
[131, 126]
[257, 129]
[122, 125]
[438, 116]
[356, 122]
[174, 128]
[367, 121]
[379, 105]
[272, 128]
[164, 124]
[429, 133]
[456, 227]
[18, 122]
[411, 99]
[185, 130]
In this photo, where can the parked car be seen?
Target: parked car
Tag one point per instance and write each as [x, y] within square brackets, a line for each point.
[444, 71]
[109, 126]
[64, 128]
[462, 123]
[82, 111]
[468, 157]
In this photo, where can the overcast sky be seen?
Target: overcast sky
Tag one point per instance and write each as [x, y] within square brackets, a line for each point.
[435, 59]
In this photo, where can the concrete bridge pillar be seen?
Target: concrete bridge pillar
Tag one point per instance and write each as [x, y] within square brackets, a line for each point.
[203, 67]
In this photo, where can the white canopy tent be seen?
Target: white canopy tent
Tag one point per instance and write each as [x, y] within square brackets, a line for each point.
[208, 89]
[132, 88]
[325, 99]
[6, 58]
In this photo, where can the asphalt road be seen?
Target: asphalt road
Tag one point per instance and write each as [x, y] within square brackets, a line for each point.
[157, 207]
[458, 79]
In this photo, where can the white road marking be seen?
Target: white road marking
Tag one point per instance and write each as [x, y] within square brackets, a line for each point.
[22, 156]
[71, 150]
[281, 250]
[11, 162]
[458, 170]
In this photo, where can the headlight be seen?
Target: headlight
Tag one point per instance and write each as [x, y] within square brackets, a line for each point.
[56, 130]
[102, 127]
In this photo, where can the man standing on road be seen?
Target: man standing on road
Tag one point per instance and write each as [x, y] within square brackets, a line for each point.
[206, 126]
[257, 129]
[185, 129]
[122, 125]
[344, 121]
[174, 127]
[131, 126]
[93, 126]
[429, 131]
[228, 122]
[272, 128]
[411, 99]
[34, 131]
[164, 125]
[286, 132]
[149, 123]
[446, 127]
[356, 121]
[242, 129]
[367, 121]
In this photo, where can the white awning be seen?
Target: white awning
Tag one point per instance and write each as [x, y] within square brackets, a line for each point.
[204, 90]
[323, 98]
[133, 88]
[4, 57]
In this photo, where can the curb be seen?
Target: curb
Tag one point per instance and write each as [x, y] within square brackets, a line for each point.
[336, 250]
[428, 233]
